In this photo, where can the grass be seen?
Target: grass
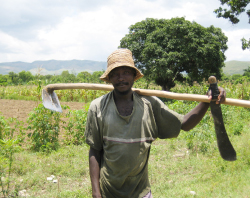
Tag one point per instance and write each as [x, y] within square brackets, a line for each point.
[175, 175]
[174, 171]
[69, 165]
[177, 168]
[187, 166]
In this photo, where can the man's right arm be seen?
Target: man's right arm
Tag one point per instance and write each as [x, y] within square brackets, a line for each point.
[94, 170]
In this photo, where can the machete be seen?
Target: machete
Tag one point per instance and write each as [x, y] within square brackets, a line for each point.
[226, 149]
[50, 101]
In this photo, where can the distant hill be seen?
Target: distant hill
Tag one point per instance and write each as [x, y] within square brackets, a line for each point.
[53, 66]
[75, 66]
[235, 67]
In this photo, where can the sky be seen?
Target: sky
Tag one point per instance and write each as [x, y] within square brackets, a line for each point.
[33, 30]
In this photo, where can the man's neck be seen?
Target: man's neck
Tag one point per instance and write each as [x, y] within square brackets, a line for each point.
[123, 97]
[124, 102]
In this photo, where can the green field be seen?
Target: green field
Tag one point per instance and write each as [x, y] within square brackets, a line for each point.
[187, 166]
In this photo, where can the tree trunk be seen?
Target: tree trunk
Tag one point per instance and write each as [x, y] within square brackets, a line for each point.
[165, 88]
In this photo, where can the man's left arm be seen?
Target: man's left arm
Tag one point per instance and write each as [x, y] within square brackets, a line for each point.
[192, 118]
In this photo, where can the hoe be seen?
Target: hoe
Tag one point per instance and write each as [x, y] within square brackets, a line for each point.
[227, 152]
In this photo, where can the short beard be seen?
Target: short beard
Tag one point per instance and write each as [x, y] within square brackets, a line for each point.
[123, 92]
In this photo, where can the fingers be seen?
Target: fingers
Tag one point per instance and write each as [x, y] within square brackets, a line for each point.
[210, 97]
[222, 96]
[219, 100]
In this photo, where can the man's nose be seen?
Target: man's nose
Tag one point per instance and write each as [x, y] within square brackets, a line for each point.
[120, 77]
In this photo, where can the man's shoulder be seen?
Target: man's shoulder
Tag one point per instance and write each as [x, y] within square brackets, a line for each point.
[148, 99]
[100, 102]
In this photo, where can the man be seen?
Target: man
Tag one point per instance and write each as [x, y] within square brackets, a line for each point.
[121, 126]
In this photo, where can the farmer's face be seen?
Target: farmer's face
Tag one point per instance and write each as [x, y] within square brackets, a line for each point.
[122, 78]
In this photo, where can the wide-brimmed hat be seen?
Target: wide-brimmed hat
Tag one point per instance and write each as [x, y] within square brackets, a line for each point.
[120, 57]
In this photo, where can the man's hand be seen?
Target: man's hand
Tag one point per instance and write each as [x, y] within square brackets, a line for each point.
[192, 118]
[221, 97]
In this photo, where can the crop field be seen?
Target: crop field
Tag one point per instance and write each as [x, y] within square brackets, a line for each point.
[43, 154]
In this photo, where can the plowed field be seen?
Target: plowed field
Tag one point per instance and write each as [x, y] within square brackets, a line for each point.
[20, 109]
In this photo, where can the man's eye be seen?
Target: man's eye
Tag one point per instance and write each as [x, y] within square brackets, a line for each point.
[114, 74]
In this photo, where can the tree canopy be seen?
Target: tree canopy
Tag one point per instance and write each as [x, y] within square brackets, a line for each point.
[164, 49]
[236, 7]
[247, 72]
[25, 76]
[3, 80]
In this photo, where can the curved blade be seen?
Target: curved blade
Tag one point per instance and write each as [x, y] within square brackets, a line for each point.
[50, 101]
[226, 149]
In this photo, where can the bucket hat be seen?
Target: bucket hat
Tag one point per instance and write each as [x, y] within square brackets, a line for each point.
[120, 57]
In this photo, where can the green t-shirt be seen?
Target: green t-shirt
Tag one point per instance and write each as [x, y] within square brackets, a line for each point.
[126, 140]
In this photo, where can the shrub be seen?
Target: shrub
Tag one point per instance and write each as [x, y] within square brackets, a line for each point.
[45, 126]
[75, 128]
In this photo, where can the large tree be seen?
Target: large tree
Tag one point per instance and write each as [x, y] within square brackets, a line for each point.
[84, 76]
[235, 8]
[14, 77]
[164, 49]
[25, 76]
[67, 77]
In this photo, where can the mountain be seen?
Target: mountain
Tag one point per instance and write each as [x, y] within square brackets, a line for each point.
[235, 67]
[53, 66]
[76, 66]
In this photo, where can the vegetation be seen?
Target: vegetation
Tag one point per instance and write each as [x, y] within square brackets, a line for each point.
[26, 78]
[53, 144]
[12, 79]
[247, 72]
[235, 9]
[31, 92]
[75, 128]
[50, 143]
[163, 49]
[45, 129]
[9, 145]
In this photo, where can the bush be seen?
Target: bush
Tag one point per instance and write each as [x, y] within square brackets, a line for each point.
[76, 126]
[45, 125]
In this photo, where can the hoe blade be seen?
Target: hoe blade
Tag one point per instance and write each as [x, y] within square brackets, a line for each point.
[50, 101]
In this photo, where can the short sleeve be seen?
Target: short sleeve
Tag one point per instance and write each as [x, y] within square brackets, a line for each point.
[168, 121]
[92, 131]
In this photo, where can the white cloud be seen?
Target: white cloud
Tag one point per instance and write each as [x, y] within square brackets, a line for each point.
[64, 30]
[14, 49]
[85, 36]
[235, 51]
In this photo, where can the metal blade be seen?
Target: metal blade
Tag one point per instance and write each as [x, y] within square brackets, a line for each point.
[226, 149]
[50, 101]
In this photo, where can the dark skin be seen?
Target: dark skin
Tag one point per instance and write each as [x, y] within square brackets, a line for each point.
[122, 78]
[94, 171]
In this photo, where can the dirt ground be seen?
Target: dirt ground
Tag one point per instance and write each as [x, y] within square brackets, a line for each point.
[20, 109]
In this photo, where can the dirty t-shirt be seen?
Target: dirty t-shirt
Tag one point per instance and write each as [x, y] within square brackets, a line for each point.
[126, 140]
